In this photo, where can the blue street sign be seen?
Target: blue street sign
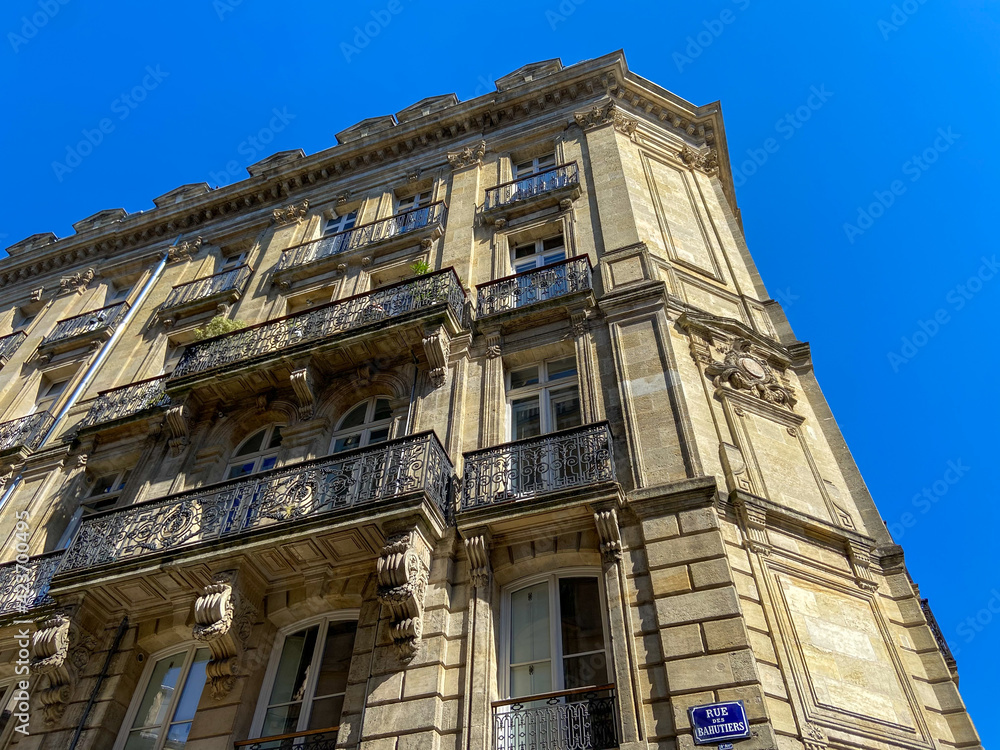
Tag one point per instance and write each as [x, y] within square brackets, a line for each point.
[719, 722]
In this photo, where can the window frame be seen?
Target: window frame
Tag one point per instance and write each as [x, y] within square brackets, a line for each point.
[278, 646]
[365, 428]
[544, 388]
[190, 650]
[41, 397]
[258, 455]
[346, 222]
[7, 690]
[555, 636]
[538, 256]
[420, 199]
[536, 166]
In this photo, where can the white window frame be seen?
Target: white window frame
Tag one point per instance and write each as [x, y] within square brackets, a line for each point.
[365, 428]
[191, 649]
[44, 397]
[418, 200]
[256, 456]
[6, 692]
[555, 638]
[343, 615]
[340, 223]
[230, 262]
[544, 388]
[536, 165]
[537, 258]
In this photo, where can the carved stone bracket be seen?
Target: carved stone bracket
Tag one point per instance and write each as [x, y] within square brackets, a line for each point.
[753, 519]
[478, 549]
[78, 282]
[224, 614]
[177, 424]
[607, 114]
[610, 534]
[494, 344]
[402, 580]
[183, 251]
[742, 371]
[290, 213]
[860, 556]
[578, 320]
[51, 656]
[468, 156]
[706, 159]
[304, 385]
[437, 347]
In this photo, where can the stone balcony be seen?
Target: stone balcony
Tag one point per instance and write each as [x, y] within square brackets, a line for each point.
[419, 226]
[416, 317]
[536, 293]
[580, 719]
[24, 434]
[24, 586]
[10, 344]
[535, 192]
[90, 329]
[214, 293]
[126, 403]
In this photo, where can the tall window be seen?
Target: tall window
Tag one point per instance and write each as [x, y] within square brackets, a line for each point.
[367, 423]
[538, 164]
[233, 261]
[419, 200]
[306, 682]
[104, 495]
[161, 714]
[527, 256]
[8, 706]
[543, 398]
[49, 394]
[257, 453]
[340, 223]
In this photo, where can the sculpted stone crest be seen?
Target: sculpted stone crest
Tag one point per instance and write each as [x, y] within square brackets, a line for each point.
[606, 114]
[706, 159]
[742, 371]
[292, 212]
[467, 156]
[402, 580]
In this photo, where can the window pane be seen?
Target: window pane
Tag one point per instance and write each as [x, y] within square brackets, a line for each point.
[105, 484]
[326, 712]
[582, 623]
[241, 470]
[525, 418]
[177, 736]
[585, 670]
[562, 368]
[252, 444]
[523, 251]
[547, 161]
[553, 257]
[524, 376]
[336, 662]
[382, 410]
[378, 436]
[347, 443]
[193, 686]
[552, 243]
[143, 739]
[531, 680]
[355, 417]
[281, 720]
[275, 440]
[566, 409]
[529, 624]
[293, 669]
[159, 692]
[268, 463]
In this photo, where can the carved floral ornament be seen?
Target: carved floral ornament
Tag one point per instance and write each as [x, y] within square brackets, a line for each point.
[290, 213]
[742, 371]
[402, 580]
[607, 114]
[468, 156]
[184, 250]
[77, 282]
[224, 616]
[706, 159]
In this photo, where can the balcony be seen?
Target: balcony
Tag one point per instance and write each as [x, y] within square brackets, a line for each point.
[561, 281]
[126, 403]
[581, 719]
[91, 328]
[25, 433]
[538, 466]
[411, 227]
[10, 344]
[291, 500]
[316, 739]
[537, 191]
[25, 585]
[391, 320]
[208, 293]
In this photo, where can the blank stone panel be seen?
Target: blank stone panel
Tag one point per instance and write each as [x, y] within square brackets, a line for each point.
[785, 468]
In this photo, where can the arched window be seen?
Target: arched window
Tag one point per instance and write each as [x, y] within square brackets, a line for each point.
[259, 452]
[306, 681]
[367, 423]
[162, 711]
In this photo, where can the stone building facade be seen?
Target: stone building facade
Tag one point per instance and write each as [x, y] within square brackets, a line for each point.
[476, 431]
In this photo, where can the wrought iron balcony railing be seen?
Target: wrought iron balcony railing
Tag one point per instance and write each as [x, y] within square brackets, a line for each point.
[539, 465]
[10, 344]
[581, 719]
[358, 478]
[26, 432]
[233, 280]
[306, 328]
[104, 319]
[126, 401]
[25, 585]
[315, 739]
[942, 643]
[366, 234]
[538, 285]
[526, 188]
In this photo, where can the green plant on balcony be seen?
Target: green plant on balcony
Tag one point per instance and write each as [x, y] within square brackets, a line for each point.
[218, 326]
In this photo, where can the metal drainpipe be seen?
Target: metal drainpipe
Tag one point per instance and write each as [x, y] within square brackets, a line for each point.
[94, 366]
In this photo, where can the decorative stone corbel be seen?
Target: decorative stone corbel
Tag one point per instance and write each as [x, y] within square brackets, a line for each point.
[608, 113]
[705, 159]
[578, 322]
[468, 156]
[224, 615]
[478, 549]
[36, 294]
[753, 518]
[78, 282]
[610, 534]
[290, 213]
[860, 556]
[402, 580]
[184, 251]
[437, 347]
[177, 424]
[50, 647]
[494, 344]
[304, 386]
[343, 198]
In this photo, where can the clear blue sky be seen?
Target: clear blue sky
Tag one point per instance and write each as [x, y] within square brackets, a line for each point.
[891, 86]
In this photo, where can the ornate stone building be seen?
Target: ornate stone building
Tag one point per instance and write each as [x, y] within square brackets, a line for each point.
[476, 431]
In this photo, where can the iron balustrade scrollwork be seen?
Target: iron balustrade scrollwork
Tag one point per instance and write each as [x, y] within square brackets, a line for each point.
[234, 279]
[26, 432]
[537, 285]
[321, 739]
[565, 175]
[366, 234]
[581, 719]
[527, 468]
[126, 401]
[939, 638]
[10, 344]
[311, 326]
[25, 585]
[79, 325]
[357, 478]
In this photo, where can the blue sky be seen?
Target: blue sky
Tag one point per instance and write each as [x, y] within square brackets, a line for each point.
[895, 297]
